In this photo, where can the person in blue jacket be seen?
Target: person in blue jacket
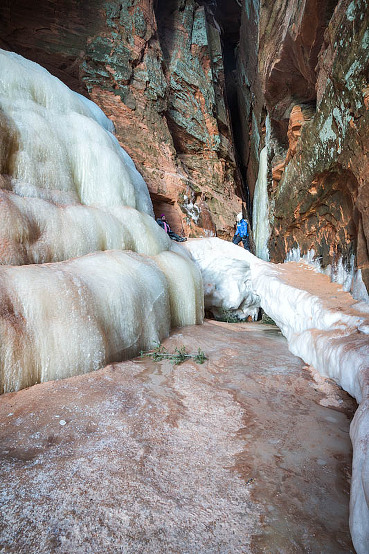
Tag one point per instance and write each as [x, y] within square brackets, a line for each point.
[242, 234]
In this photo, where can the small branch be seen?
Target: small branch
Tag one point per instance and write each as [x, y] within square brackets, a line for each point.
[179, 356]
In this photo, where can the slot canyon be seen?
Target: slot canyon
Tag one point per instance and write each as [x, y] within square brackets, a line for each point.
[174, 391]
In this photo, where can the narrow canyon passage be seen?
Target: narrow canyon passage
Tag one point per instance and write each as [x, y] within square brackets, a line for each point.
[247, 453]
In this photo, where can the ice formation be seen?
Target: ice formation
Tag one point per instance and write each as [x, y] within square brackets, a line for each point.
[226, 276]
[72, 317]
[68, 190]
[330, 333]
[261, 209]
[345, 274]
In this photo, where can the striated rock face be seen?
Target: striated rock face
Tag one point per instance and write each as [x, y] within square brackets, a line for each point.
[162, 85]
[322, 201]
[291, 35]
[313, 59]
[240, 23]
[197, 115]
[297, 120]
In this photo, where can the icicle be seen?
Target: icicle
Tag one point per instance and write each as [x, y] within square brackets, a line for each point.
[261, 208]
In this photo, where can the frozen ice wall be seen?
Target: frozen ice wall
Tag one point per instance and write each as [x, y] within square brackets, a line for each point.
[324, 325]
[261, 209]
[68, 190]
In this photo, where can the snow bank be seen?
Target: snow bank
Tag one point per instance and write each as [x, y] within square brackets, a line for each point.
[67, 190]
[330, 333]
[226, 275]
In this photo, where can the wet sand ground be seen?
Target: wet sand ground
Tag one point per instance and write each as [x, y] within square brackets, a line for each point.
[245, 453]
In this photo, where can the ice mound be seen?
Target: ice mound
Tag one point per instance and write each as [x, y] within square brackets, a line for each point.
[58, 154]
[226, 275]
[34, 231]
[60, 141]
[87, 276]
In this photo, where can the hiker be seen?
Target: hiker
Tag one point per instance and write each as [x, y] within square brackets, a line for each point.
[242, 233]
[164, 225]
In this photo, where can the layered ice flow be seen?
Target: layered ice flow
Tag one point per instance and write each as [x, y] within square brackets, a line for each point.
[87, 277]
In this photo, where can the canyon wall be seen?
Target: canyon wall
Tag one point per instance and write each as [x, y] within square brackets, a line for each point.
[196, 89]
[312, 81]
[156, 70]
[322, 200]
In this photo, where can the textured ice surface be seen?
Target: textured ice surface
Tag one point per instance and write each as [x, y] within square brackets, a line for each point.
[261, 208]
[60, 141]
[323, 324]
[226, 275]
[35, 231]
[68, 191]
[69, 188]
[161, 459]
[72, 317]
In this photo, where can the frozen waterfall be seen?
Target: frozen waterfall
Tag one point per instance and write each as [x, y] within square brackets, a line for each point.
[261, 209]
[68, 190]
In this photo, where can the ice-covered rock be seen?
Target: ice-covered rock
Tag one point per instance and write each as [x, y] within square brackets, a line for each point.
[226, 275]
[324, 325]
[70, 194]
[261, 208]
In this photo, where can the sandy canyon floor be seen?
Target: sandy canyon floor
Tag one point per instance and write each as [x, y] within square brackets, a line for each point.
[248, 452]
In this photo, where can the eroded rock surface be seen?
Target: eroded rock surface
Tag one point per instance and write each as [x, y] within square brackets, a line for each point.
[322, 201]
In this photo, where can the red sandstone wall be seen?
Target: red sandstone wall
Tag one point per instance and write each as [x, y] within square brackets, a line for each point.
[163, 89]
[313, 62]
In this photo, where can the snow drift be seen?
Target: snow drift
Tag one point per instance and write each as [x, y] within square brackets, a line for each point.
[226, 274]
